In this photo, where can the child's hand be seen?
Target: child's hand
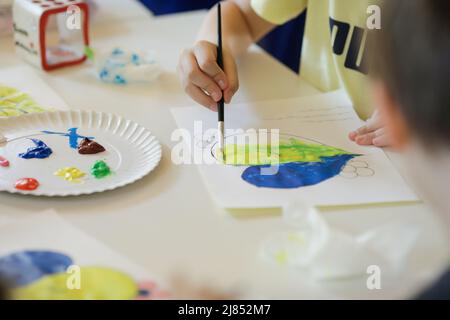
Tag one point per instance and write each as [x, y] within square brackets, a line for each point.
[373, 133]
[202, 78]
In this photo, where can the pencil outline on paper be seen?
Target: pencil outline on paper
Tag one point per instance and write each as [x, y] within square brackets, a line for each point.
[315, 115]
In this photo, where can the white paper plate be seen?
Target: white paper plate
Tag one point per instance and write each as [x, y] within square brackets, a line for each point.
[131, 151]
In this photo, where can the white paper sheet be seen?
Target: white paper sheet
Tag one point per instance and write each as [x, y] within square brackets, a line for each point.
[48, 232]
[25, 79]
[325, 118]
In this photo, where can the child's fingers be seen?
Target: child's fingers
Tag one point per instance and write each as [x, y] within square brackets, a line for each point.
[198, 67]
[374, 123]
[382, 139]
[196, 76]
[206, 58]
[367, 128]
[358, 133]
[377, 138]
[365, 139]
[200, 97]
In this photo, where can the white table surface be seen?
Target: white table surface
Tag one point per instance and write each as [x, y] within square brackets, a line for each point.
[167, 222]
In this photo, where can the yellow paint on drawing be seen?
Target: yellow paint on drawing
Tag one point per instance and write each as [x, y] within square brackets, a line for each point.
[70, 174]
[292, 150]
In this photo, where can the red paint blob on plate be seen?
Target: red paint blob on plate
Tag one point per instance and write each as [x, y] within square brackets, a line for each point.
[4, 162]
[27, 184]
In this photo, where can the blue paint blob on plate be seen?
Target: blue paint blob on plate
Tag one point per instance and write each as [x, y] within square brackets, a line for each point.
[72, 134]
[39, 151]
[297, 174]
[22, 268]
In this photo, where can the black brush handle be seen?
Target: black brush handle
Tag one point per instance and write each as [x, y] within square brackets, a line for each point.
[221, 103]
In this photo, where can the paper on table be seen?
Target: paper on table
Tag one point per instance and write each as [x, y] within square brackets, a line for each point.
[48, 232]
[326, 119]
[25, 79]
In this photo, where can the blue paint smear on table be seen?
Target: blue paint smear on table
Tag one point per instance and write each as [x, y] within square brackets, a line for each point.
[39, 151]
[297, 174]
[22, 268]
[73, 136]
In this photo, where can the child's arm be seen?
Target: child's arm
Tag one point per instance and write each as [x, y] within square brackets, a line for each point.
[197, 66]
[241, 26]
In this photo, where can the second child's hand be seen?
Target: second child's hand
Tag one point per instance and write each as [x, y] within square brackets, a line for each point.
[372, 133]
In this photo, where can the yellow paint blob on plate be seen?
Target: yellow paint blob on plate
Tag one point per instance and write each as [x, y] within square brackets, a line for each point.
[95, 283]
[70, 174]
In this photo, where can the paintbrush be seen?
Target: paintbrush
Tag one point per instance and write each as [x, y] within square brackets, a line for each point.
[220, 104]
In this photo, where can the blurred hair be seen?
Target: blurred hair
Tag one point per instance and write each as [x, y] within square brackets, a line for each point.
[412, 58]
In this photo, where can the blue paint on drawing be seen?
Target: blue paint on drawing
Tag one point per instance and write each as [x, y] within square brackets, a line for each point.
[24, 267]
[297, 174]
[39, 151]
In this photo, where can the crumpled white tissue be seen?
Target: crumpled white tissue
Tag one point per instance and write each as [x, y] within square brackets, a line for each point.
[122, 66]
[327, 253]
